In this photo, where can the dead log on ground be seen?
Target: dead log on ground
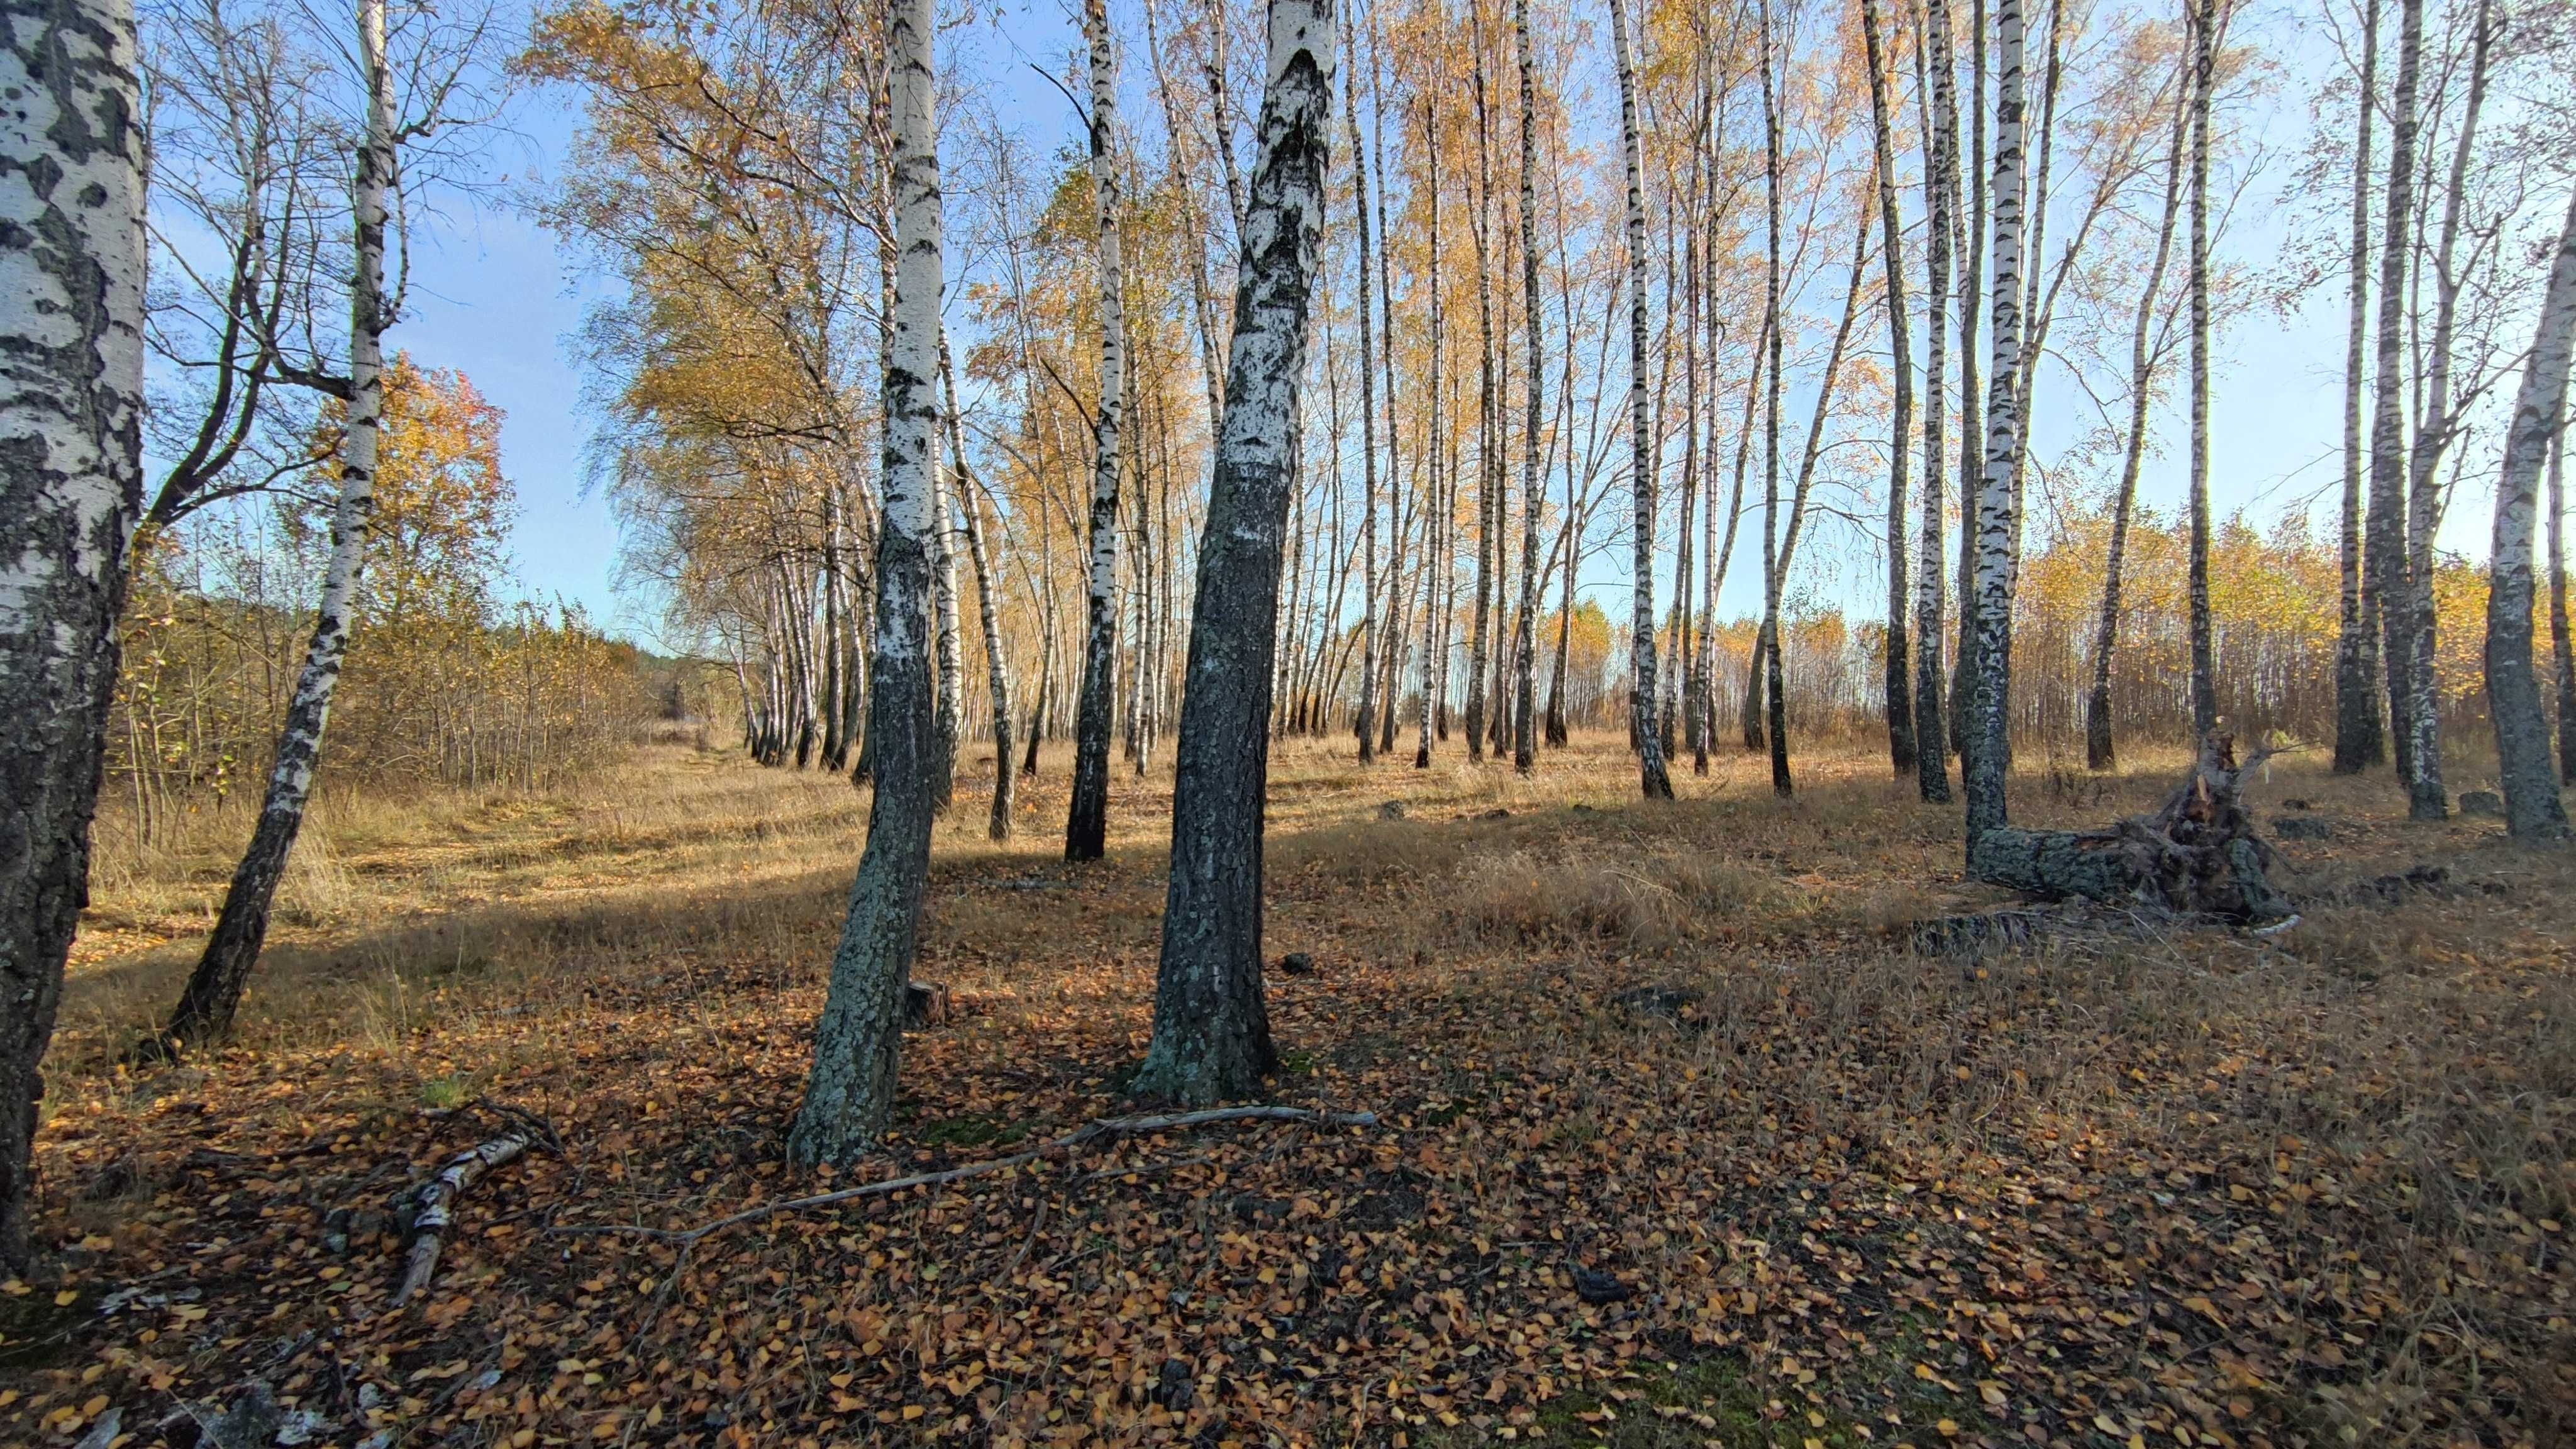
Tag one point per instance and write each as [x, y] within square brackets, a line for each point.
[2196, 855]
[437, 1206]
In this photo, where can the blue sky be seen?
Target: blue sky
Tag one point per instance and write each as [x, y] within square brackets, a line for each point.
[494, 295]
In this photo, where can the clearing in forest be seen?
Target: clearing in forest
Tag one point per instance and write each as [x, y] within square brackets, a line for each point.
[1686, 1134]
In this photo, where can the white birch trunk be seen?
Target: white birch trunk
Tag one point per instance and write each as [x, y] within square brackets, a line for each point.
[1211, 1035]
[71, 489]
[214, 990]
[1931, 584]
[1087, 822]
[849, 1094]
[2359, 745]
[1654, 780]
[2532, 807]
[1534, 427]
[997, 663]
[1988, 762]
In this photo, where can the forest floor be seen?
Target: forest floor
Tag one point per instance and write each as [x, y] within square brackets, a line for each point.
[1682, 1138]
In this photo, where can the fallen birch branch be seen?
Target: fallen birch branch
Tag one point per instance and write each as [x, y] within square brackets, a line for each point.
[437, 1206]
[1088, 1132]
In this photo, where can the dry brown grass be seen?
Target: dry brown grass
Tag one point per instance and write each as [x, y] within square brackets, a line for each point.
[2365, 1121]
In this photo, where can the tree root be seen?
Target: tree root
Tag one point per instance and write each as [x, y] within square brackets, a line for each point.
[2196, 856]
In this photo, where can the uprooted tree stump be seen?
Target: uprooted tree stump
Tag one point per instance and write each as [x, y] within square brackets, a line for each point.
[2196, 855]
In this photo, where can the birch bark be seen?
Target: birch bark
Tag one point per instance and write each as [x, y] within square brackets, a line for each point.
[71, 488]
[2532, 808]
[1211, 1035]
[213, 993]
[1899, 677]
[997, 663]
[1987, 762]
[1654, 780]
[1534, 423]
[2359, 744]
[2204, 667]
[849, 1093]
[1941, 138]
[1087, 822]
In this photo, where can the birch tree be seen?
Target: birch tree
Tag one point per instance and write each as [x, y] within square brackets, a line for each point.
[1087, 821]
[1766, 640]
[2204, 667]
[71, 489]
[1366, 726]
[213, 993]
[2100, 753]
[1986, 761]
[1647, 738]
[2532, 808]
[849, 1092]
[1940, 193]
[1211, 1036]
[1898, 677]
[2384, 523]
[2561, 647]
[1534, 420]
[997, 663]
[2359, 744]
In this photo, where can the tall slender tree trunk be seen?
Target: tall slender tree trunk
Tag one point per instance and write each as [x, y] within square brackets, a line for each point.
[1941, 136]
[1657, 784]
[1975, 242]
[1899, 675]
[2204, 668]
[1366, 725]
[849, 1093]
[1534, 424]
[2099, 751]
[2359, 744]
[71, 490]
[1488, 409]
[1766, 642]
[997, 663]
[2532, 808]
[2384, 523]
[2436, 425]
[2558, 630]
[1211, 1026]
[1087, 822]
[1434, 658]
[1986, 764]
[214, 990]
[950, 702]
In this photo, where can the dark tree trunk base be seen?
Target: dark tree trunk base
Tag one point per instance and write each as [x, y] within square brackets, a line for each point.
[2196, 855]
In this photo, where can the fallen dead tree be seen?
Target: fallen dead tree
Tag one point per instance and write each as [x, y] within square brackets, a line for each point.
[433, 1208]
[2196, 855]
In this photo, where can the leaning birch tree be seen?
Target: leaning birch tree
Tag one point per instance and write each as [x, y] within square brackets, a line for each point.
[849, 1092]
[1086, 827]
[2532, 807]
[213, 994]
[1211, 1025]
[1987, 761]
[997, 663]
[1900, 350]
[71, 488]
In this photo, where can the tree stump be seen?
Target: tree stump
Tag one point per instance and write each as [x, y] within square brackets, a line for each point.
[2196, 855]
